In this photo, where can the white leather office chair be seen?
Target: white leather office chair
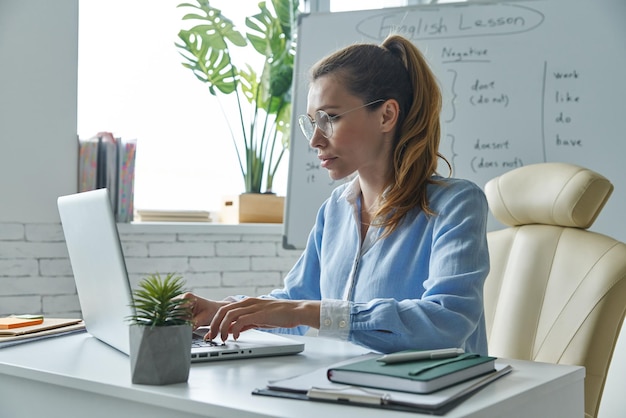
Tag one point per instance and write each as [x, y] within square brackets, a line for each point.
[556, 292]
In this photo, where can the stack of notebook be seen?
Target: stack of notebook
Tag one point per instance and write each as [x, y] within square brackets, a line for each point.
[426, 385]
[19, 330]
[146, 215]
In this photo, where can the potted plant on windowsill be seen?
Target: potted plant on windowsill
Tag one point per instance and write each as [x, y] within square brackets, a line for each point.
[160, 331]
[263, 97]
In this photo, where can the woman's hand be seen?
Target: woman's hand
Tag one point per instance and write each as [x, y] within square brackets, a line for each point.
[202, 310]
[236, 317]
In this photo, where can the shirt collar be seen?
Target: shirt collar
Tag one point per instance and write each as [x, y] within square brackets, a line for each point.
[352, 192]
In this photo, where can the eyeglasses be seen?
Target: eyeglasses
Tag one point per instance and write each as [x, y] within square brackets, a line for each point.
[324, 122]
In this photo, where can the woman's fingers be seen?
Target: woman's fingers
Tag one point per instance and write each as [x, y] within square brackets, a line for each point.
[240, 316]
[236, 317]
[231, 319]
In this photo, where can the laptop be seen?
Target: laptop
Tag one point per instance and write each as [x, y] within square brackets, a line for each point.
[104, 290]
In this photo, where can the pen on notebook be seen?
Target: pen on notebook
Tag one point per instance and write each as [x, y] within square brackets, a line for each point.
[404, 356]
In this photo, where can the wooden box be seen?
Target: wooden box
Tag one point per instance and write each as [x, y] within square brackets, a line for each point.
[253, 208]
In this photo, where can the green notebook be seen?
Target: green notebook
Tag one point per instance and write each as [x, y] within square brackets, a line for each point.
[421, 376]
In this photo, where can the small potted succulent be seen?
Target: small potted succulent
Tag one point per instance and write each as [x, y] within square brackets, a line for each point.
[160, 331]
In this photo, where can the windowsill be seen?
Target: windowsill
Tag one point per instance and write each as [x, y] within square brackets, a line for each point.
[200, 228]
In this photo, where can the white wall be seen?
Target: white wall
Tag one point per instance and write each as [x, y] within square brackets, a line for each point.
[38, 73]
[215, 260]
[613, 404]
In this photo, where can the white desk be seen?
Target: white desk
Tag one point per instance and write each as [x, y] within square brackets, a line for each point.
[78, 376]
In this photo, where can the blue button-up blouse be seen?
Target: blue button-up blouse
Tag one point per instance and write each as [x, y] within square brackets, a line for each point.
[419, 288]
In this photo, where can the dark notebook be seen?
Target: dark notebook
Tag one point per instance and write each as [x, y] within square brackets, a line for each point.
[421, 376]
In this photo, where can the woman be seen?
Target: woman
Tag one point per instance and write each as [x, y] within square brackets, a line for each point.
[398, 256]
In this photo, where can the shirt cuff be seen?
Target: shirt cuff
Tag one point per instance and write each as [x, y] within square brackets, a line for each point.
[334, 319]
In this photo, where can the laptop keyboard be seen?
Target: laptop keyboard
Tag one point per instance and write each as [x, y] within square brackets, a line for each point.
[199, 342]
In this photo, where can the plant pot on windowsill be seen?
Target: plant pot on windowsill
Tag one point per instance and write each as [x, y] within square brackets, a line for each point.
[260, 125]
[253, 208]
[160, 332]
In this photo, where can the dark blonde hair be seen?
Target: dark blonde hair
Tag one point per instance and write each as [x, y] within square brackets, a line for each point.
[396, 70]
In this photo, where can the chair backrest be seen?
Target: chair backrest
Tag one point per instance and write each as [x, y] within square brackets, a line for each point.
[556, 292]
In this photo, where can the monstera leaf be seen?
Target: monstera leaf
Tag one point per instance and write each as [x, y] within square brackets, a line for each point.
[206, 51]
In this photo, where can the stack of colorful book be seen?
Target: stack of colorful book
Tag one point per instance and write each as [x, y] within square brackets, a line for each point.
[109, 162]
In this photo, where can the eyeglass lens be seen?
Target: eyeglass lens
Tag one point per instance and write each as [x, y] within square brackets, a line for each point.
[324, 122]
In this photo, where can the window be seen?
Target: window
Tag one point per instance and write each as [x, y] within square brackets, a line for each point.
[131, 83]
[346, 5]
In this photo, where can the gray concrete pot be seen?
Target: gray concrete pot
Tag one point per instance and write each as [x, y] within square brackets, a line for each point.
[160, 355]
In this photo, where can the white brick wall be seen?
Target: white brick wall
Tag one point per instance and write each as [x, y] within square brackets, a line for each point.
[215, 260]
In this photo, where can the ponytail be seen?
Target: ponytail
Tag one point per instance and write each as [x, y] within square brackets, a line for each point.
[416, 153]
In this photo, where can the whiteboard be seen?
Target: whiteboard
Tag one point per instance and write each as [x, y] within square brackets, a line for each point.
[522, 82]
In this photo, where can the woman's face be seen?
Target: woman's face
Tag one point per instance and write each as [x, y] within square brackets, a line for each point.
[357, 143]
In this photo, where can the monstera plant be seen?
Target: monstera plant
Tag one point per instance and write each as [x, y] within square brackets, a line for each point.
[263, 95]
